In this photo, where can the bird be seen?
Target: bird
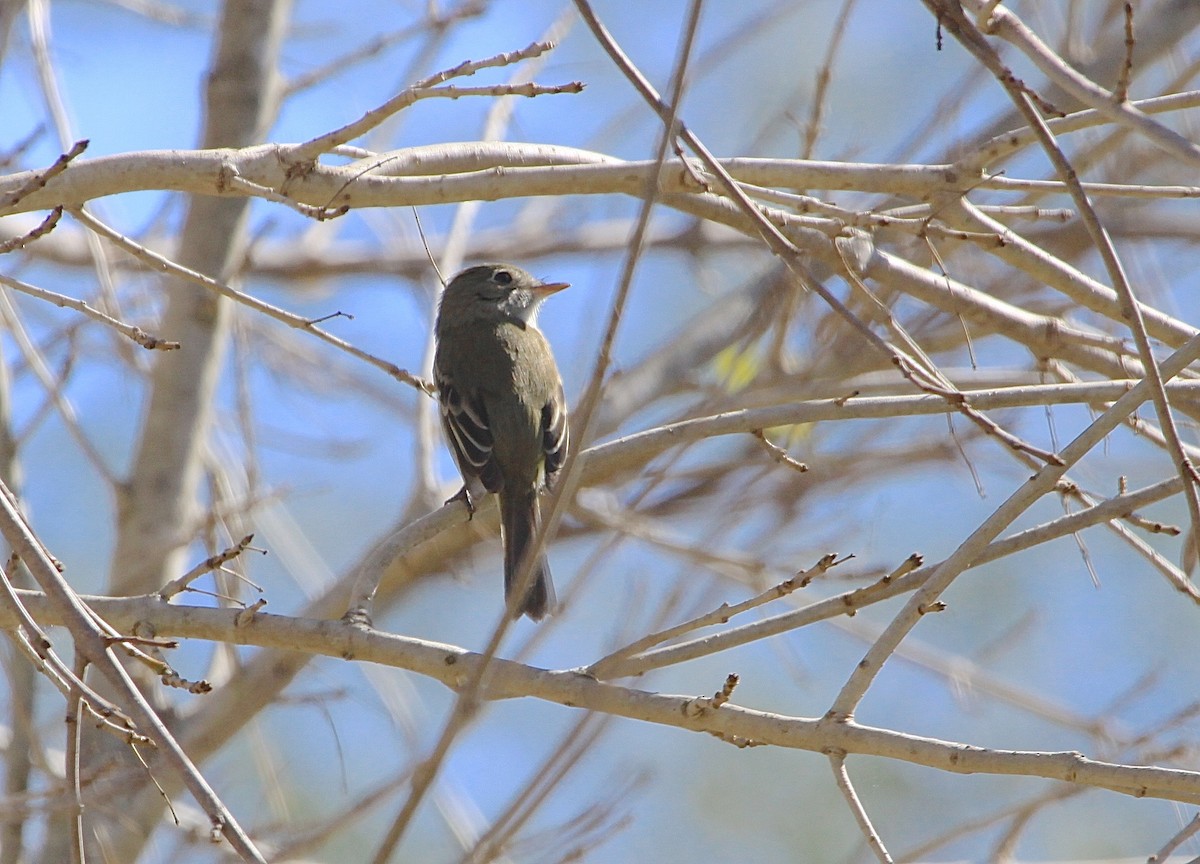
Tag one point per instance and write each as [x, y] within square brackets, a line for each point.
[503, 410]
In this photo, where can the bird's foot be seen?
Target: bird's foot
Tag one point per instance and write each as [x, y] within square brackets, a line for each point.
[464, 496]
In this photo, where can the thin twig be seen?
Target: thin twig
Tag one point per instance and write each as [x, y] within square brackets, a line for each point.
[573, 745]
[1121, 91]
[779, 454]
[310, 150]
[320, 214]
[466, 704]
[159, 262]
[175, 586]
[837, 761]
[951, 16]
[721, 615]
[596, 510]
[47, 225]
[1005, 847]
[133, 332]
[10, 156]
[812, 129]
[437, 20]
[74, 721]
[41, 178]
[54, 385]
[586, 414]
[1182, 836]
[924, 851]
[425, 245]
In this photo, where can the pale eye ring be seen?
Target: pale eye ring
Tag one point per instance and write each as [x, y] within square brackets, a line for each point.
[502, 277]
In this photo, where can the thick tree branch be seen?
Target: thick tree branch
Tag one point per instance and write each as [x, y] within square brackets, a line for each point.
[455, 666]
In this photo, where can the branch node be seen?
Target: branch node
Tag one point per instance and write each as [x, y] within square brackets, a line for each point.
[701, 705]
[245, 617]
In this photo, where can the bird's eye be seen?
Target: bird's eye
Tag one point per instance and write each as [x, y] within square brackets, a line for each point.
[502, 277]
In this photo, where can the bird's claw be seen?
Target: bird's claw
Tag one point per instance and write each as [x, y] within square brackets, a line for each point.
[464, 496]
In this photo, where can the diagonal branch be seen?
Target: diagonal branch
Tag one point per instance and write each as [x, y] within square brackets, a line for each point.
[1044, 481]
[166, 265]
[92, 644]
[135, 333]
[1002, 22]
[837, 761]
[950, 15]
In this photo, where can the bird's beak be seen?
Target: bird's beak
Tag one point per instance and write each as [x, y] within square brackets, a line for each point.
[548, 288]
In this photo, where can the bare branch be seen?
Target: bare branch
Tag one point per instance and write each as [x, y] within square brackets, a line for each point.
[837, 761]
[181, 584]
[90, 642]
[136, 334]
[602, 669]
[426, 88]
[294, 321]
[47, 225]
[506, 679]
[1002, 22]
[39, 179]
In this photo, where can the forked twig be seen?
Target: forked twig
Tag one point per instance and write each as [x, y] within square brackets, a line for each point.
[722, 614]
[426, 88]
[952, 16]
[176, 586]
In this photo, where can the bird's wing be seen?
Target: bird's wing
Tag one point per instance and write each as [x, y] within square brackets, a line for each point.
[556, 433]
[466, 423]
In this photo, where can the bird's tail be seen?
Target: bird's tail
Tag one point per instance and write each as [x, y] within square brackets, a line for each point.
[520, 516]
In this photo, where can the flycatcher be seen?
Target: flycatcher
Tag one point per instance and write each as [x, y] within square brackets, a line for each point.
[503, 408]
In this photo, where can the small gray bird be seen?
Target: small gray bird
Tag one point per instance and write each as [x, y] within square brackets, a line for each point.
[503, 408]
